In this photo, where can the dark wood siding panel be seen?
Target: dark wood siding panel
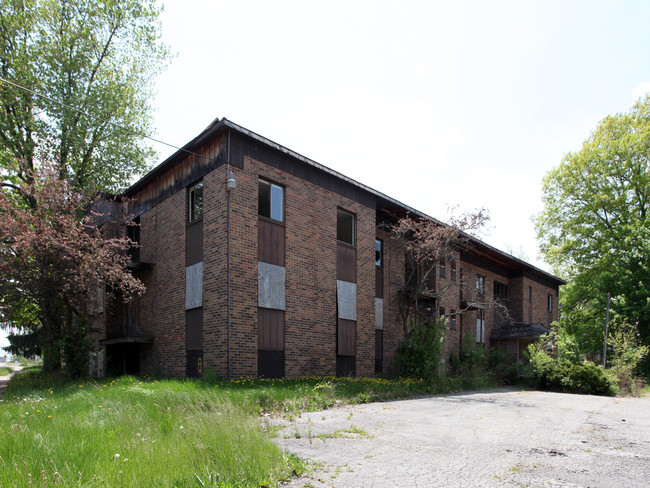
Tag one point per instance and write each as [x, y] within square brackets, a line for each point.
[270, 242]
[379, 282]
[194, 329]
[379, 351]
[194, 364]
[346, 263]
[270, 364]
[194, 243]
[270, 329]
[347, 337]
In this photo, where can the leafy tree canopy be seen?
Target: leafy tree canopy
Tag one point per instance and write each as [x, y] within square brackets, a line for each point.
[595, 229]
[90, 68]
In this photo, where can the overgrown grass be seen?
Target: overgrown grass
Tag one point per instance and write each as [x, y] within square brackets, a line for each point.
[5, 370]
[171, 433]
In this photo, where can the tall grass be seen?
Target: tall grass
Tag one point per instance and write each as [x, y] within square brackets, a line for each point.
[129, 433]
[132, 432]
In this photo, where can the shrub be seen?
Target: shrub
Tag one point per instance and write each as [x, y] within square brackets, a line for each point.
[551, 374]
[627, 354]
[418, 355]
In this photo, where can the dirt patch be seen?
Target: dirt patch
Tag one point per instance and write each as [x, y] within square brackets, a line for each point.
[484, 439]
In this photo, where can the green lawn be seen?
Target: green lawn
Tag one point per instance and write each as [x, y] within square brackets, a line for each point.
[132, 432]
[4, 371]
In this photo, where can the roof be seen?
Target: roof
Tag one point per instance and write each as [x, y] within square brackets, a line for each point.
[518, 330]
[220, 125]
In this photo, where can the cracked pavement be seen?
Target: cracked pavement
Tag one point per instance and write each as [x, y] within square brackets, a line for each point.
[504, 437]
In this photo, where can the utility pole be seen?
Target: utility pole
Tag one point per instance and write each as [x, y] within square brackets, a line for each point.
[606, 331]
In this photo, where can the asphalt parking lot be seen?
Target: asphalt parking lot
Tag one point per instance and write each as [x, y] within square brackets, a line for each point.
[496, 438]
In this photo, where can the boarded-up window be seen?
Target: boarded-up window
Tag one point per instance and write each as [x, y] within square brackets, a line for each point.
[452, 269]
[346, 337]
[443, 267]
[270, 329]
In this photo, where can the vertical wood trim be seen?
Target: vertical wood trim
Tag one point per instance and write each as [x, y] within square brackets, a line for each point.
[194, 243]
[346, 263]
[270, 242]
[346, 337]
[379, 282]
[270, 329]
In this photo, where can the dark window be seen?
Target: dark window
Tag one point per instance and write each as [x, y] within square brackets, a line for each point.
[550, 303]
[462, 283]
[195, 202]
[500, 292]
[530, 293]
[452, 269]
[480, 285]
[271, 201]
[345, 226]
[379, 252]
[441, 312]
[452, 318]
[443, 270]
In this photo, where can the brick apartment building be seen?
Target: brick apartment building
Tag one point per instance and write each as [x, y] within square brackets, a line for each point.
[288, 273]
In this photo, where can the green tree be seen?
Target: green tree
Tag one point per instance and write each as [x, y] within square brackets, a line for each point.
[594, 229]
[85, 71]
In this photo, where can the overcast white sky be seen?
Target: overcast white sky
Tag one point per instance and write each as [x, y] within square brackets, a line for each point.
[464, 103]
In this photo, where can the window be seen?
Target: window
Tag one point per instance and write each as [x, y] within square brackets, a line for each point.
[530, 293]
[345, 226]
[441, 312]
[500, 292]
[550, 302]
[452, 318]
[443, 271]
[271, 201]
[452, 269]
[480, 327]
[195, 202]
[480, 285]
[379, 252]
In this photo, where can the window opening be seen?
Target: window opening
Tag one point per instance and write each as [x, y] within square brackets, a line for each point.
[195, 202]
[271, 200]
[345, 226]
[379, 252]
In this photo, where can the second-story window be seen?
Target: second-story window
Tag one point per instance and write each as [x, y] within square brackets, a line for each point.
[345, 226]
[550, 303]
[379, 253]
[271, 201]
[443, 267]
[452, 269]
[195, 202]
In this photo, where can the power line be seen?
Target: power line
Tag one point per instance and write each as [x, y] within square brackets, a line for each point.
[144, 136]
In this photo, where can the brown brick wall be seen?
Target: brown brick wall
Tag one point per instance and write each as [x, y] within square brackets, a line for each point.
[310, 262]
